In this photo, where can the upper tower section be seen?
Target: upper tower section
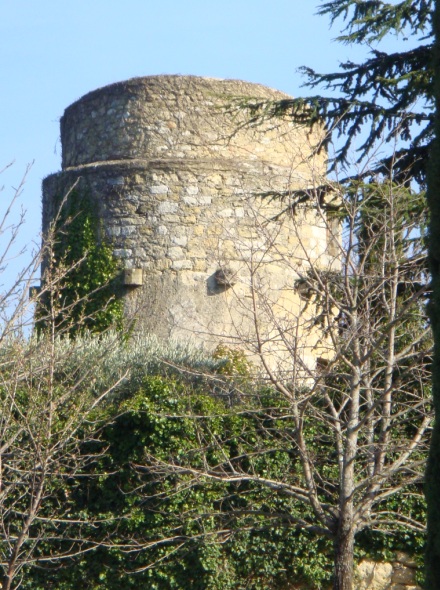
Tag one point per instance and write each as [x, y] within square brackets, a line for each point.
[179, 117]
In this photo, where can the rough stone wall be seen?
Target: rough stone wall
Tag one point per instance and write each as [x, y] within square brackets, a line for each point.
[397, 575]
[180, 182]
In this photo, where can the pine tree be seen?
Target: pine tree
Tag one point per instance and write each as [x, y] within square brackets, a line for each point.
[433, 472]
[389, 94]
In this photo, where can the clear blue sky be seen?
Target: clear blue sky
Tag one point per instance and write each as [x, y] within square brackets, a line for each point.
[54, 51]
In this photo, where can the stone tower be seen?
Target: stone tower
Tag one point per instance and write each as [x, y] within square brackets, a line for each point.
[184, 182]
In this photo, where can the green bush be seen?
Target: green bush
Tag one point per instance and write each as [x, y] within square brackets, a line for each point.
[170, 531]
[82, 290]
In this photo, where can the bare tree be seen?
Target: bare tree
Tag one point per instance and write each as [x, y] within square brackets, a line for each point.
[49, 424]
[347, 349]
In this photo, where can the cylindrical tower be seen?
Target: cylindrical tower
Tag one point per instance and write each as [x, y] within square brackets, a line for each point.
[183, 183]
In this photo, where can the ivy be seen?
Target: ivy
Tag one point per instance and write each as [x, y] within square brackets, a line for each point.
[260, 550]
[84, 293]
[181, 417]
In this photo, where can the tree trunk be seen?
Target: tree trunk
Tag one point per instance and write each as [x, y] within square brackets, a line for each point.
[7, 580]
[343, 556]
[433, 471]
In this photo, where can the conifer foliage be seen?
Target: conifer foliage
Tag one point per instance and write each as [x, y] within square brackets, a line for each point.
[389, 93]
[433, 472]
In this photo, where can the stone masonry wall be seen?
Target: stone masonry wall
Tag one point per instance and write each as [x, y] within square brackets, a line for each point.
[399, 574]
[183, 189]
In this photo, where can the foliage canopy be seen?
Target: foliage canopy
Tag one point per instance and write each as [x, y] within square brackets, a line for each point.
[390, 93]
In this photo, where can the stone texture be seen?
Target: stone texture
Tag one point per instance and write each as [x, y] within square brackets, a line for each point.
[373, 576]
[399, 575]
[405, 560]
[181, 185]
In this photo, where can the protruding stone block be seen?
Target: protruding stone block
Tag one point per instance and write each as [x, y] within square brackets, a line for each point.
[133, 277]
